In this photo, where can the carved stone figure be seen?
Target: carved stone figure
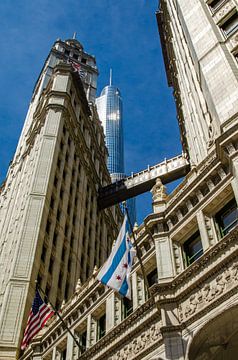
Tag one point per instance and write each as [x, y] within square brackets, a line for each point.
[191, 306]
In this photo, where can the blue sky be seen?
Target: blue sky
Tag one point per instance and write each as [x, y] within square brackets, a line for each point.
[122, 35]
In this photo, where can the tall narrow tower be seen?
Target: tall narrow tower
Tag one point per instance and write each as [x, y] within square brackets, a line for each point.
[50, 227]
[109, 106]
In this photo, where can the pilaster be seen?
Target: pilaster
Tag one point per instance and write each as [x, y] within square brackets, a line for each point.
[202, 230]
[164, 263]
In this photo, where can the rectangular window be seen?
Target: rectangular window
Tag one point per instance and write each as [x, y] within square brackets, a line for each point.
[43, 253]
[152, 277]
[230, 25]
[193, 248]
[63, 355]
[127, 307]
[215, 4]
[227, 217]
[83, 341]
[101, 326]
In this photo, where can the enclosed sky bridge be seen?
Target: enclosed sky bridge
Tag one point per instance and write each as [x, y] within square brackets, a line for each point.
[143, 181]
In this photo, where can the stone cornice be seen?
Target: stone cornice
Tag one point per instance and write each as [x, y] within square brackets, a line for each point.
[112, 338]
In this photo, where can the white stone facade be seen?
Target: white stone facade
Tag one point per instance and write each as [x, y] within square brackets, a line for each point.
[50, 227]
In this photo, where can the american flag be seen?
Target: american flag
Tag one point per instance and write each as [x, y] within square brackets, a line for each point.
[39, 314]
[77, 68]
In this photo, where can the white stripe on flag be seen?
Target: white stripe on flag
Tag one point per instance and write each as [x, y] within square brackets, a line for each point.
[115, 272]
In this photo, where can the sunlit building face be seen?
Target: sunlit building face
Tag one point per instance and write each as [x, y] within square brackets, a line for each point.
[109, 106]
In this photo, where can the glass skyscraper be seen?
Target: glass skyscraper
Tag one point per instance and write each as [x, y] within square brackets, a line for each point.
[109, 106]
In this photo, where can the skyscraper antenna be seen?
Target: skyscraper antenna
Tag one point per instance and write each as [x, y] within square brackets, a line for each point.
[110, 77]
[74, 36]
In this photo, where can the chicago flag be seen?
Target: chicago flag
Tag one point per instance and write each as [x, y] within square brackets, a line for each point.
[115, 272]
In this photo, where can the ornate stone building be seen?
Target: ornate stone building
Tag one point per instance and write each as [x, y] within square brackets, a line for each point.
[189, 243]
[51, 228]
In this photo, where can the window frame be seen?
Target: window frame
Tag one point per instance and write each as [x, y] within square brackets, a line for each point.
[187, 259]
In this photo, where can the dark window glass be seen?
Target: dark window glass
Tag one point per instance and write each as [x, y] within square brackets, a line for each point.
[67, 52]
[152, 277]
[231, 24]
[215, 4]
[51, 265]
[63, 254]
[227, 217]
[43, 254]
[55, 238]
[127, 307]
[101, 326]
[83, 341]
[193, 248]
[75, 56]
[84, 61]
[47, 229]
[63, 355]
[58, 214]
[55, 181]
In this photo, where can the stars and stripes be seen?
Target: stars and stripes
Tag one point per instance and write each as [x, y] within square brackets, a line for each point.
[115, 272]
[39, 314]
[77, 68]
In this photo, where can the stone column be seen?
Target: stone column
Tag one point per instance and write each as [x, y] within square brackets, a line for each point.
[110, 311]
[202, 230]
[91, 331]
[70, 345]
[234, 182]
[54, 354]
[163, 248]
[164, 257]
[134, 290]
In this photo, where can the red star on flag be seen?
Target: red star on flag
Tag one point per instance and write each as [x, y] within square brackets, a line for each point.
[125, 265]
[118, 277]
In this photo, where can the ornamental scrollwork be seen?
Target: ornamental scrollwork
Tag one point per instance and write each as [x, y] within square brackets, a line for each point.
[140, 343]
[209, 292]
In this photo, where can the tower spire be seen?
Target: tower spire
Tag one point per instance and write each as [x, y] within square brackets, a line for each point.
[74, 35]
[110, 82]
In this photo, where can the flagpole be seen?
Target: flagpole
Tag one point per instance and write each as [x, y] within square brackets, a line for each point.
[146, 284]
[81, 348]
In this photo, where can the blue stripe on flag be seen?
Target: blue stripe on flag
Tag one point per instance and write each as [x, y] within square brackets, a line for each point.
[124, 288]
[115, 262]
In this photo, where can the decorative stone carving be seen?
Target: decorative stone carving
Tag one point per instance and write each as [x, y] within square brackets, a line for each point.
[224, 11]
[159, 191]
[146, 339]
[209, 292]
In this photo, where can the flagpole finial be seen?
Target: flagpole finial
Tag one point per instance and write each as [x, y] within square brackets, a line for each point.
[74, 35]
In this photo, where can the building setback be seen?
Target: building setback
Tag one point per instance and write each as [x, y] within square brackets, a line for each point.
[189, 243]
[51, 229]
